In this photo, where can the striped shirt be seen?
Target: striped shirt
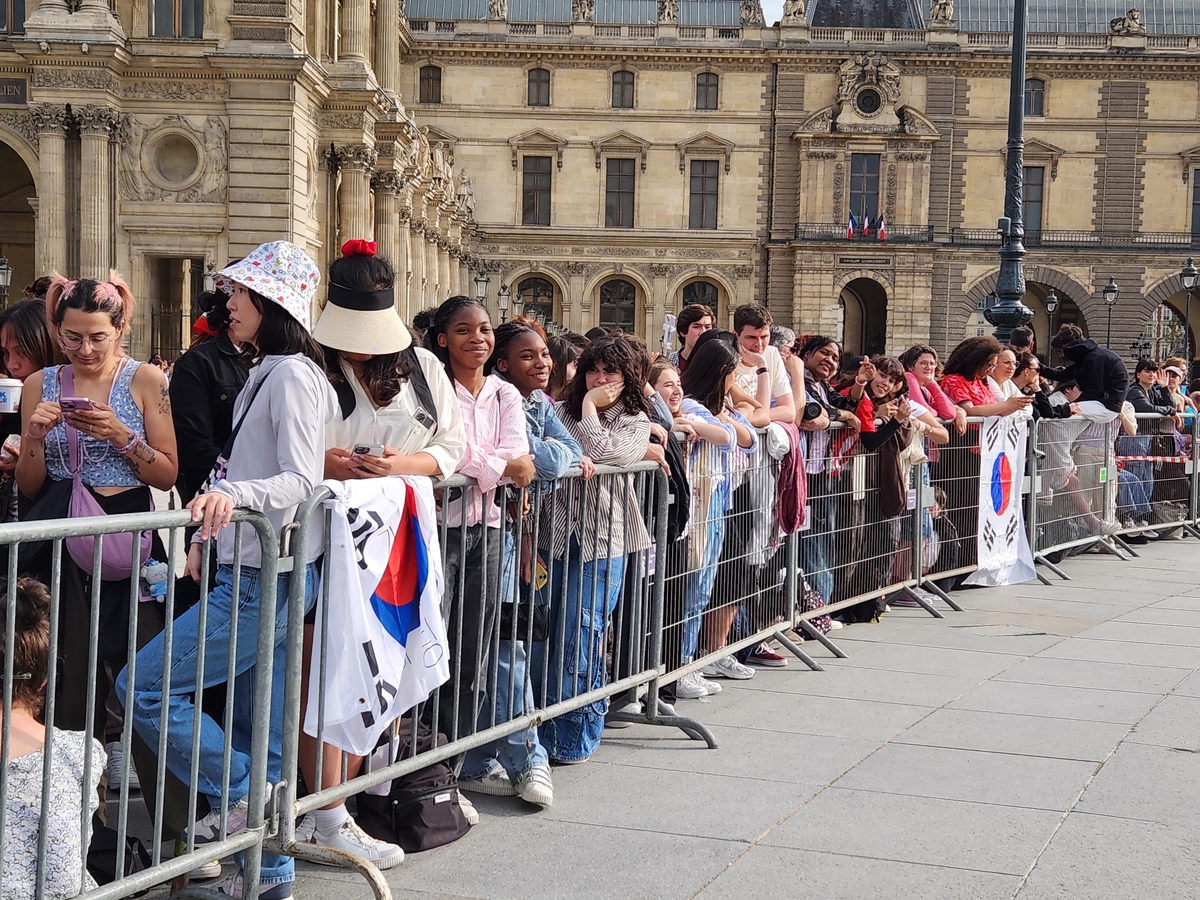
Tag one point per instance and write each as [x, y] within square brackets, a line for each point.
[604, 514]
[494, 425]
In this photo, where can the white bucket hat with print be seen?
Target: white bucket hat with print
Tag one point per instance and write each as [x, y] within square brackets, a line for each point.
[283, 273]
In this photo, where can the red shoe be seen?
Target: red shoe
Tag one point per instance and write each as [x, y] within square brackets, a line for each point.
[763, 655]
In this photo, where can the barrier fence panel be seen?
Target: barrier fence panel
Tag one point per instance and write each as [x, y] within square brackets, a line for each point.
[553, 607]
[117, 646]
[954, 509]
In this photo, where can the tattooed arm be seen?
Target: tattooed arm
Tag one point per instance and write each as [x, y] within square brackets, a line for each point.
[154, 457]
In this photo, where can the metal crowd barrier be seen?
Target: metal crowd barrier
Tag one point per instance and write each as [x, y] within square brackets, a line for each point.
[95, 629]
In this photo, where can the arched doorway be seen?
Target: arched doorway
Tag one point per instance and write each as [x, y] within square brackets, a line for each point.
[16, 219]
[864, 317]
[618, 305]
[1067, 313]
[1164, 335]
[537, 298]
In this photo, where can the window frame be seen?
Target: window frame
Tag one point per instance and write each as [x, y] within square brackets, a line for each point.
[625, 191]
[1028, 203]
[536, 191]
[702, 213]
[530, 99]
[177, 19]
[1035, 98]
[864, 180]
[632, 306]
[432, 82]
[631, 87]
[14, 18]
[533, 306]
[1195, 206]
[714, 89]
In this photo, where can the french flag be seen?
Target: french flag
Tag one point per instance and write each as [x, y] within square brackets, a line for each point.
[882, 228]
[851, 228]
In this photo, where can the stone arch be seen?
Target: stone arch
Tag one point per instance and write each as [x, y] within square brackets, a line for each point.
[862, 308]
[519, 274]
[1062, 283]
[1168, 292]
[695, 273]
[591, 294]
[19, 195]
[21, 146]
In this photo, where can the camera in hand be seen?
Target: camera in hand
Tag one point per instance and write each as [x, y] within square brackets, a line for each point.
[812, 410]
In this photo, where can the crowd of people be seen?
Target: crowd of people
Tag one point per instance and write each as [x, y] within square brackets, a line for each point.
[265, 405]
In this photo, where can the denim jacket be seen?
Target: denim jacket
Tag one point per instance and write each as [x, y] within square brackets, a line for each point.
[554, 450]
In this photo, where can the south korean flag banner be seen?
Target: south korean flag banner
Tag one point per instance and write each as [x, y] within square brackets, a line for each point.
[1003, 545]
[386, 647]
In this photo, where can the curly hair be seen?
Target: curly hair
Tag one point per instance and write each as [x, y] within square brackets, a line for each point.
[615, 354]
[971, 357]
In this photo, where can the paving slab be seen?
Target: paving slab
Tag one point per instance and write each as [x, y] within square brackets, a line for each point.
[1023, 735]
[837, 717]
[1174, 722]
[1155, 784]
[1125, 652]
[1084, 673]
[1058, 702]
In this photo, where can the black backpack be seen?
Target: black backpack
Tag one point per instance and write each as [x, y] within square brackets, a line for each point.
[421, 810]
[345, 393]
[102, 855]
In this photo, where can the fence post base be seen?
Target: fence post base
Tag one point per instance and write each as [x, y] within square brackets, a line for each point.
[1052, 567]
[329, 857]
[1116, 539]
[697, 731]
[934, 589]
[815, 633]
[794, 649]
[925, 604]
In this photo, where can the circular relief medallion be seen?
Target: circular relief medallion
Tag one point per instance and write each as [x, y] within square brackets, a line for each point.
[868, 101]
[172, 160]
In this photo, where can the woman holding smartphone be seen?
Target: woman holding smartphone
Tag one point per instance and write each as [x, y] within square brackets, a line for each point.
[382, 428]
[276, 459]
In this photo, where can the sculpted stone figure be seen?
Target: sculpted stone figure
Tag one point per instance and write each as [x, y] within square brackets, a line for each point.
[668, 12]
[942, 12]
[793, 11]
[583, 10]
[466, 194]
[497, 9]
[1130, 23]
[751, 12]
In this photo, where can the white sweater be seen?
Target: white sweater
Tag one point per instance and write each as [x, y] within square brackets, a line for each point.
[279, 455]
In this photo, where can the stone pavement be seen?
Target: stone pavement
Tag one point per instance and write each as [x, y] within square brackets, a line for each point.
[1043, 744]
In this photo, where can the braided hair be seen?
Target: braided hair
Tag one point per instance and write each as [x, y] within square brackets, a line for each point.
[442, 317]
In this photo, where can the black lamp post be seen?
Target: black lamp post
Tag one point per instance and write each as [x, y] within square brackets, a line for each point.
[1188, 279]
[1051, 304]
[1111, 292]
[481, 285]
[1010, 312]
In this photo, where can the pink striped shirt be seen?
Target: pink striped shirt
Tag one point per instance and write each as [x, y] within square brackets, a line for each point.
[494, 423]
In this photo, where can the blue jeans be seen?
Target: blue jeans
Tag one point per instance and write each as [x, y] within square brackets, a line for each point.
[578, 665]
[181, 707]
[1135, 484]
[521, 751]
[700, 585]
[816, 542]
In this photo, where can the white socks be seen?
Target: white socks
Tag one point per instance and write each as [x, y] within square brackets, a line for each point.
[328, 821]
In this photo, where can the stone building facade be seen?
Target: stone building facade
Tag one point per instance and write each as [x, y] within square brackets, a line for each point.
[605, 161]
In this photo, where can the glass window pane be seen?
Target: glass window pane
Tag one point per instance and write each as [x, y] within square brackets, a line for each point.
[702, 292]
[539, 87]
[864, 187]
[622, 90]
[537, 296]
[618, 193]
[703, 191]
[1196, 203]
[706, 90]
[618, 304]
[431, 85]
[535, 191]
[164, 18]
[192, 25]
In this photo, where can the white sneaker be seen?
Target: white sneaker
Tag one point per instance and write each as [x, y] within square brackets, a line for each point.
[352, 839]
[835, 624]
[494, 783]
[727, 667]
[208, 829]
[689, 687]
[204, 872]
[633, 708]
[536, 787]
[117, 771]
[470, 813]
[305, 829]
[233, 887]
[712, 687]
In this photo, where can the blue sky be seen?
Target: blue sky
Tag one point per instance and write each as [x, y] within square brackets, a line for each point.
[772, 11]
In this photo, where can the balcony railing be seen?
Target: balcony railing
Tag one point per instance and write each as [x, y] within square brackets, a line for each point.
[1083, 240]
[895, 234]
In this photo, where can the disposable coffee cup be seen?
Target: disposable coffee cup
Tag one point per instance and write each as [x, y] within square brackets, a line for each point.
[10, 395]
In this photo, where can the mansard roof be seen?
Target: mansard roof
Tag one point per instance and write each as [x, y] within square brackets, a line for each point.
[720, 13]
[1062, 16]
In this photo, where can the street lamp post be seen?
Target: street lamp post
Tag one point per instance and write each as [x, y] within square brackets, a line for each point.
[1111, 291]
[210, 277]
[1010, 312]
[518, 305]
[1051, 304]
[505, 297]
[481, 285]
[1188, 279]
[5, 280]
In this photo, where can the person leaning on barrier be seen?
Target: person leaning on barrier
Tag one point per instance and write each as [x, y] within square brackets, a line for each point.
[1101, 374]
[1021, 340]
[121, 447]
[517, 765]
[374, 370]
[1027, 378]
[920, 371]
[71, 800]
[966, 379]
[276, 461]
[761, 372]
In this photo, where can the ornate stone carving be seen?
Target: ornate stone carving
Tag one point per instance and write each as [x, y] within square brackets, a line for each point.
[342, 120]
[793, 12]
[579, 268]
[1130, 23]
[139, 174]
[96, 120]
[868, 91]
[890, 205]
[912, 157]
[387, 182]
[839, 186]
[23, 124]
[173, 90]
[357, 157]
[668, 12]
[583, 10]
[213, 183]
[315, 167]
[88, 79]
[822, 154]
[498, 9]
[869, 69]
[941, 14]
[662, 270]
[743, 271]
[751, 13]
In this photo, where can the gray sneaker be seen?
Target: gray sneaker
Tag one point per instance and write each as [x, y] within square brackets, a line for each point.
[208, 829]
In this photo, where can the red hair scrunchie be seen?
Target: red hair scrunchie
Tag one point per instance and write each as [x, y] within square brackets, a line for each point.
[358, 247]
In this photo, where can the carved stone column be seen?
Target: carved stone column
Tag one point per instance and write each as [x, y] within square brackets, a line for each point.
[387, 187]
[387, 46]
[95, 195]
[416, 284]
[466, 278]
[356, 31]
[447, 286]
[434, 294]
[50, 122]
[356, 162]
[402, 263]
